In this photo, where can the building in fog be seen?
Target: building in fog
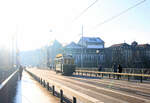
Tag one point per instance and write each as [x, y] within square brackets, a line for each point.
[88, 52]
[52, 50]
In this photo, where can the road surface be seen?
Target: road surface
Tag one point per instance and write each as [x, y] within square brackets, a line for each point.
[103, 90]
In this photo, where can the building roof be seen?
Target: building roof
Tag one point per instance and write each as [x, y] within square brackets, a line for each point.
[127, 45]
[92, 40]
[143, 45]
[120, 45]
[73, 45]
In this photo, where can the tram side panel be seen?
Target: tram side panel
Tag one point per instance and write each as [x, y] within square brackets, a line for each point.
[68, 69]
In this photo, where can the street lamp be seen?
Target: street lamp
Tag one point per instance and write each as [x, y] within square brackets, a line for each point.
[48, 53]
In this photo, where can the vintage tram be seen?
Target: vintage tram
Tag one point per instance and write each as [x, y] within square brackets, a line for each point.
[64, 64]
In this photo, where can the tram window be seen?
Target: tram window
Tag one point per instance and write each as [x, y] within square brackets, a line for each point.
[72, 61]
[67, 61]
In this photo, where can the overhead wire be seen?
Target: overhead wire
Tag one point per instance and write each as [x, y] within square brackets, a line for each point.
[111, 18]
[119, 14]
[86, 9]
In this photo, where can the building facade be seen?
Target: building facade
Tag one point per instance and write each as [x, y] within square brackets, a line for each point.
[134, 55]
[88, 52]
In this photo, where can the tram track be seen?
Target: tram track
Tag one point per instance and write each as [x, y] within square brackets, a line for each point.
[111, 84]
[116, 86]
[98, 90]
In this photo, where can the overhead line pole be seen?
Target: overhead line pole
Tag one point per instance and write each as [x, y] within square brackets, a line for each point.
[82, 50]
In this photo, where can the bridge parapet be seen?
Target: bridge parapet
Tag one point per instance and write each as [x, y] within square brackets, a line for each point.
[8, 88]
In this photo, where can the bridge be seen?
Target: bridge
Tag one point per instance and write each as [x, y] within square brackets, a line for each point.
[45, 86]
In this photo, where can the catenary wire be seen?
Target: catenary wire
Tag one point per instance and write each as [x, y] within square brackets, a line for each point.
[119, 14]
[86, 9]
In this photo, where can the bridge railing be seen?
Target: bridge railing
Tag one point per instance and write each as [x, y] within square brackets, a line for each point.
[5, 73]
[7, 88]
[118, 75]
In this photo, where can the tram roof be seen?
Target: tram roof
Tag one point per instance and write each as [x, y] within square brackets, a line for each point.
[63, 56]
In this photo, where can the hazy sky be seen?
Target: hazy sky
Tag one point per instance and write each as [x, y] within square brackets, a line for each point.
[38, 22]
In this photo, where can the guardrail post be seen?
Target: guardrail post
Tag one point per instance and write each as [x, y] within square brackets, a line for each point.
[41, 81]
[102, 75]
[61, 96]
[53, 90]
[128, 77]
[47, 85]
[117, 76]
[141, 80]
[35, 77]
[44, 83]
[114, 75]
[74, 100]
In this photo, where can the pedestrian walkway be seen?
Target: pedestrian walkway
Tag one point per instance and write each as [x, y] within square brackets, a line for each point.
[30, 91]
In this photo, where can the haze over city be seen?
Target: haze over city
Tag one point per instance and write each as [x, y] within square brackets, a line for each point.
[37, 23]
[74, 51]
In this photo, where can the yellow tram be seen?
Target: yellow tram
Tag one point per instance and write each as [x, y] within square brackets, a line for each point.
[64, 64]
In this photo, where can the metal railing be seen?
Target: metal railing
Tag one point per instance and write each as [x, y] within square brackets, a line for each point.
[118, 75]
[124, 70]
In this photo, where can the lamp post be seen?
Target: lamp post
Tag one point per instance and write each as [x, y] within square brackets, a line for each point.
[48, 56]
[49, 53]
[97, 52]
[82, 50]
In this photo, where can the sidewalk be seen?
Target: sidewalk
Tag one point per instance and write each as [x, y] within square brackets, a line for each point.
[30, 91]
